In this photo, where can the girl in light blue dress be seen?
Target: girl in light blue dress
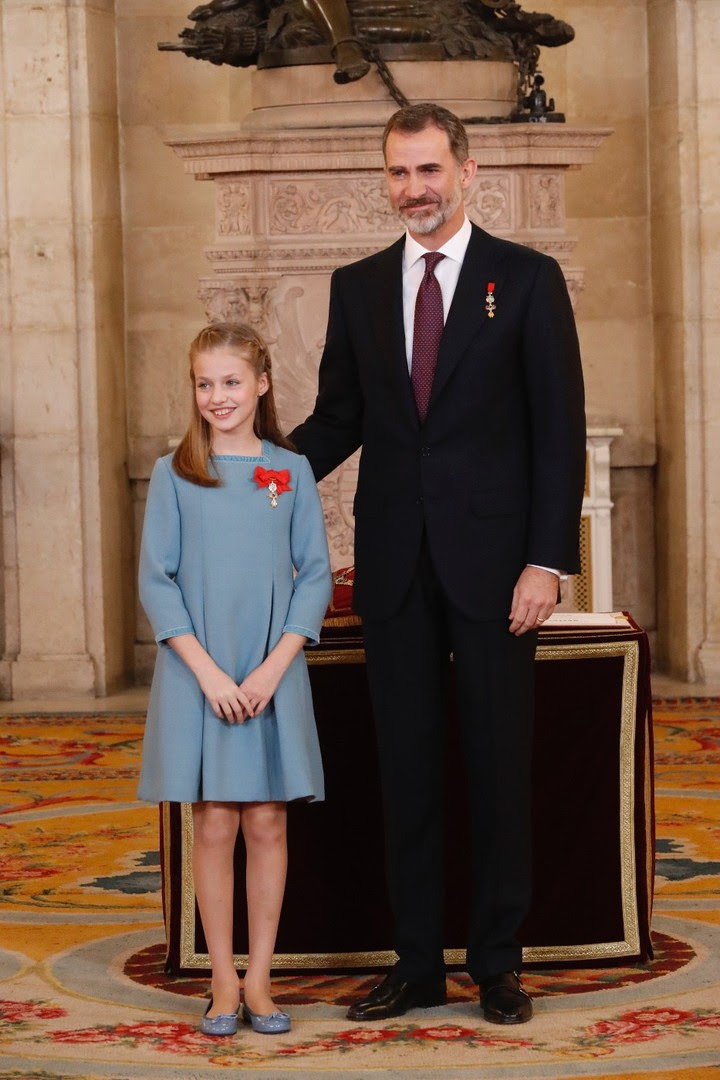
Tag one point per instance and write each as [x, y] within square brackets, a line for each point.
[235, 579]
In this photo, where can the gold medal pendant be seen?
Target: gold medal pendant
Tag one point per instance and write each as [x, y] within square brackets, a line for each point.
[490, 300]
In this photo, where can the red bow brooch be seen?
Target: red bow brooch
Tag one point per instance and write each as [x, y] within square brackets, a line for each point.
[275, 482]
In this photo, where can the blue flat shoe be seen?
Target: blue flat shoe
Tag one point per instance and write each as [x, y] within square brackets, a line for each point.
[223, 1024]
[274, 1024]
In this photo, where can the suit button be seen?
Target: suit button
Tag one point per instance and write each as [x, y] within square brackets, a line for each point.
[425, 451]
[419, 502]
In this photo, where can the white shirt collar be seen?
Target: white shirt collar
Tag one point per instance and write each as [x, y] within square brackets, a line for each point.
[455, 247]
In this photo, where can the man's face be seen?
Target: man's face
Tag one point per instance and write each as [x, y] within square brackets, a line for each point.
[426, 183]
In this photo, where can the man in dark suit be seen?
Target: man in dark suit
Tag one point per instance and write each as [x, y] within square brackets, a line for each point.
[460, 377]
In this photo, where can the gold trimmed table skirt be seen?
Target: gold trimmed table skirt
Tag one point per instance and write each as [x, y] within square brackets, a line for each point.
[593, 820]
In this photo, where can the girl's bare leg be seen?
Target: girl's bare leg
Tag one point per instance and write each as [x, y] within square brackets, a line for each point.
[264, 830]
[215, 828]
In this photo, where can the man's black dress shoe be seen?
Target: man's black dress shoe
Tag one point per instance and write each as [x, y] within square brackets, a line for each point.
[394, 996]
[503, 999]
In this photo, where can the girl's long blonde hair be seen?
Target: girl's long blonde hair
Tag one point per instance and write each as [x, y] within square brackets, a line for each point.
[193, 458]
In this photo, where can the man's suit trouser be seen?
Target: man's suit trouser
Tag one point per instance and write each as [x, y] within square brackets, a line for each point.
[408, 667]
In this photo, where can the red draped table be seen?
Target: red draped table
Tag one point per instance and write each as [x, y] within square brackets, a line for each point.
[593, 822]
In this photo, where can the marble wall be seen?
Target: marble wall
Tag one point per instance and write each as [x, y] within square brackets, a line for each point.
[602, 78]
[67, 545]
[684, 119]
[167, 221]
[101, 250]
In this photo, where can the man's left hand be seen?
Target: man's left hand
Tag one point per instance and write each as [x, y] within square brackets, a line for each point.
[534, 599]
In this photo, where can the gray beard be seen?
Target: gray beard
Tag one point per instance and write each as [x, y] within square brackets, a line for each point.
[433, 220]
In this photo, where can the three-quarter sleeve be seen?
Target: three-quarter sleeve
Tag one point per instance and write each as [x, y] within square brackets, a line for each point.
[160, 595]
[309, 551]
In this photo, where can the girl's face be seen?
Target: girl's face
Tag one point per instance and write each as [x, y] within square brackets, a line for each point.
[227, 391]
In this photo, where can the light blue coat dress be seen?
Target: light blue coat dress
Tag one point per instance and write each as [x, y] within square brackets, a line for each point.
[218, 563]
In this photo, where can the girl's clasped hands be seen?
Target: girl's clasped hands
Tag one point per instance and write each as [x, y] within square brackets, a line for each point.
[236, 703]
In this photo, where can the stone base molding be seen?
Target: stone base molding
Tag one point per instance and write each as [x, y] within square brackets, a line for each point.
[46, 676]
[708, 662]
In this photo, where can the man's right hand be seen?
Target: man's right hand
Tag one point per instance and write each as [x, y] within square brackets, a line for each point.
[534, 599]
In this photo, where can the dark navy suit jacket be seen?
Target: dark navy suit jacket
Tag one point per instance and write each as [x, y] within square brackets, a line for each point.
[495, 474]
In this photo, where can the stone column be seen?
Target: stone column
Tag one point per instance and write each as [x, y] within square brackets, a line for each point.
[685, 187]
[66, 510]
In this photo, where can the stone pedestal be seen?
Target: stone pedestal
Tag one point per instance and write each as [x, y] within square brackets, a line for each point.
[292, 98]
[292, 205]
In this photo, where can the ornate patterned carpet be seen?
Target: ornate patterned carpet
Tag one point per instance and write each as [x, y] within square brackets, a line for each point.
[83, 994]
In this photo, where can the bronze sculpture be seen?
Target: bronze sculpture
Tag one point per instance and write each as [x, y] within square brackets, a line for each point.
[538, 108]
[356, 33]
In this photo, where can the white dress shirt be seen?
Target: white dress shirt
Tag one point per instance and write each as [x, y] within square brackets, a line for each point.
[447, 273]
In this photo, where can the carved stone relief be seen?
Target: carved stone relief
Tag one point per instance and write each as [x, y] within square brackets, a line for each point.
[489, 203]
[560, 248]
[337, 492]
[288, 260]
[234, 301]
[233, 208]
[357, 204]
[545, 201]
[296, 353]
[575, 279]
[295, 359]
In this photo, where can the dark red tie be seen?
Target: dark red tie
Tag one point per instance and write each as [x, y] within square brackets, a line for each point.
[427, 332]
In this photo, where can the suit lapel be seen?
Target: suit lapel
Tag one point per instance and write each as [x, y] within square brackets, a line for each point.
[467, 315]
[385, 307]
